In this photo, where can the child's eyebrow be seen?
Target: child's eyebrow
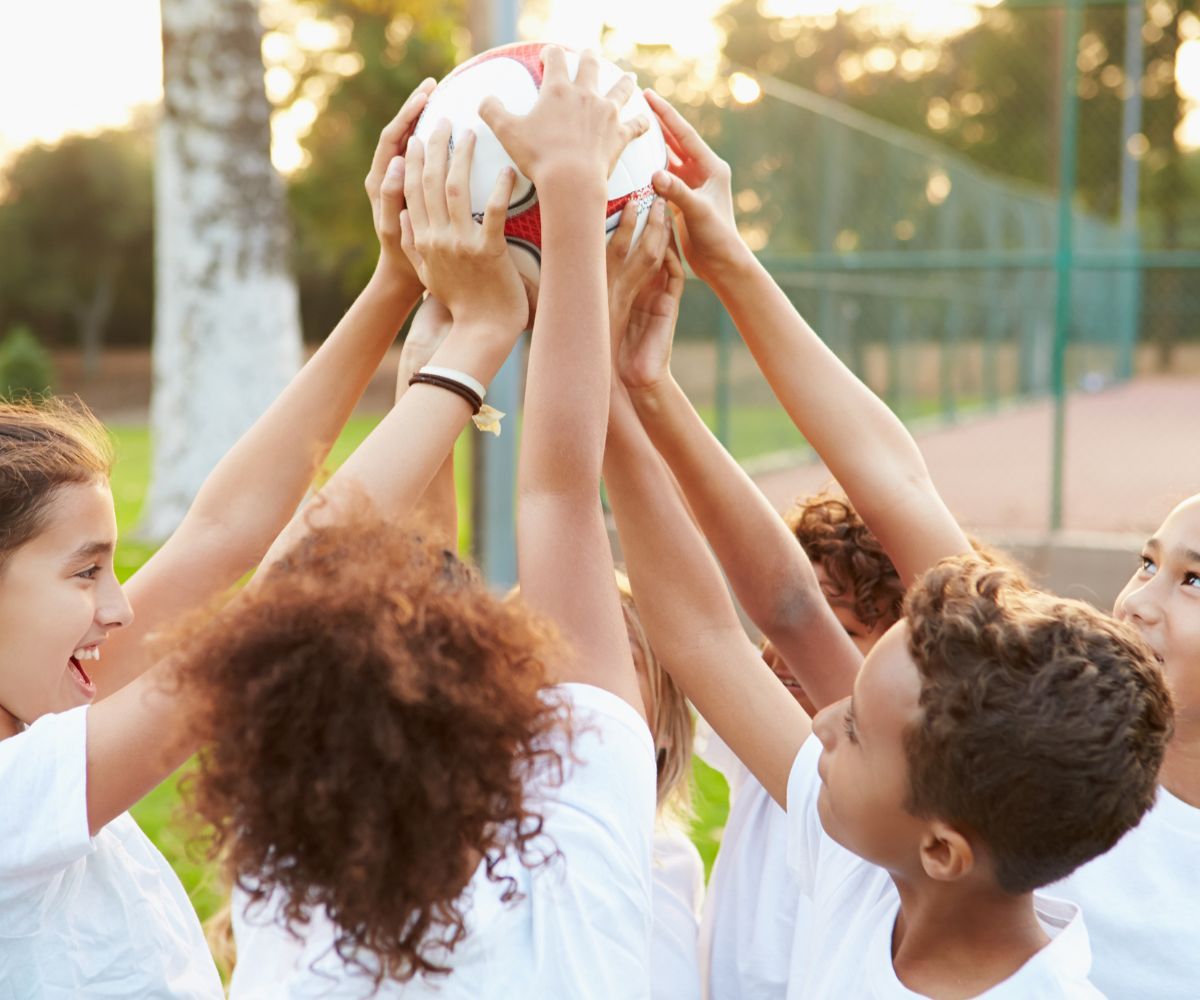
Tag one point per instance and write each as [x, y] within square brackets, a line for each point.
[89, 550]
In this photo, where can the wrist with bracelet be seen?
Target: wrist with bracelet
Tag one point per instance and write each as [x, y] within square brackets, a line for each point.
[466, 387]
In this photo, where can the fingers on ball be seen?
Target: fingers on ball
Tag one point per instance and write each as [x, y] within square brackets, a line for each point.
[495, 214]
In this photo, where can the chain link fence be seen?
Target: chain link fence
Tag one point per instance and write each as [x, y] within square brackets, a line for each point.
[1006, 212]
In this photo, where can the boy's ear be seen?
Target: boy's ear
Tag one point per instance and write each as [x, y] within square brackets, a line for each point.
[946, 855]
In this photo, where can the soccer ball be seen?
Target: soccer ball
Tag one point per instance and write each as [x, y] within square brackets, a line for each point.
[513, 73]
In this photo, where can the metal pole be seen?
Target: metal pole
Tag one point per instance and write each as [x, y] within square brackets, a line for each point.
[725, 334]
[1131, 124]
[1064, 255]
[1131, 174]
[495, 506]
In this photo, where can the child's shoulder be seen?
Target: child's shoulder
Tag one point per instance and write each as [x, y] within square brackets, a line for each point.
[43, 779]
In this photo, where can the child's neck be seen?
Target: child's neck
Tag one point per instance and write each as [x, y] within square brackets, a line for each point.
[10, 725]
[954, 942]
[1180, 774]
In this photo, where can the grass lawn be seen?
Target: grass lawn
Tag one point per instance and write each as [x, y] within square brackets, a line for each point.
[160, 813]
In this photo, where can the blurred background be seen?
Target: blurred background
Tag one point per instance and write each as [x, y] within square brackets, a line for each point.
[974, 203]
[990, 210]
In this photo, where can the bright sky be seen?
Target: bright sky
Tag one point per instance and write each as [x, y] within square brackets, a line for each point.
[81, 65]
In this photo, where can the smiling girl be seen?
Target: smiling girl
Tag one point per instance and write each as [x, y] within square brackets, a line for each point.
[88, 906]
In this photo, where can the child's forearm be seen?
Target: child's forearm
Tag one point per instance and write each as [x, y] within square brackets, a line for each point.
[567, 387]
[689, 617]
[866, 447]
[438, 506]
[257, 486]
[393, 468]
[254, 490]
[767, 568]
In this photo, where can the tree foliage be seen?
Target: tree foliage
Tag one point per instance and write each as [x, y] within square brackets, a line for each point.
[993, 92]
[76, 222]
[396, 45]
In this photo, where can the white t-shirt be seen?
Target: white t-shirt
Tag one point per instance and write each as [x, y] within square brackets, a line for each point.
[753, 910]
[582, 926]
[678, 890]
[855, 905]
[84, 916]
[1142, 901]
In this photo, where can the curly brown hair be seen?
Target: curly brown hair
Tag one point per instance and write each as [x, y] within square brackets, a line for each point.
[834, 537]
[1044, 721]
[375, 723]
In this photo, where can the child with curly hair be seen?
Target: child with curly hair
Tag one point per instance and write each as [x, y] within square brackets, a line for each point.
[440, 799]
[88, 906]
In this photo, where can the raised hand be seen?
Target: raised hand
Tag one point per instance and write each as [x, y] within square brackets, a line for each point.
[630, 268]
[385, 186]
[644, 355]
[584, 126]
[698, 183]
[463, 263]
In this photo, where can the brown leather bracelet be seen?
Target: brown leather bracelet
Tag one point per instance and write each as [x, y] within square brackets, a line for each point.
[465, 392]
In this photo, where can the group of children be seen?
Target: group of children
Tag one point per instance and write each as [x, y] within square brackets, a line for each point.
[944, 782]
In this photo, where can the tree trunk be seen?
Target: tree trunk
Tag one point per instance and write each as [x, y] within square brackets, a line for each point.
[227, 318]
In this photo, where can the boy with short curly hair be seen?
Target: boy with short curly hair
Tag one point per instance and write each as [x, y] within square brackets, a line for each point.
[921, 875]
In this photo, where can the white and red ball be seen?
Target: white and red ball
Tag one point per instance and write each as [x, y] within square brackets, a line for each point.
[513, 73]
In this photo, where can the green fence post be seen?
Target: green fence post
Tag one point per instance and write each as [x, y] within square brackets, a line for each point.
[1065, 250]
[1131, 125]
[725, 335]
[899, 332]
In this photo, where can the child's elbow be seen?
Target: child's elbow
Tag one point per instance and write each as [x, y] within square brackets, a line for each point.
[794, 609]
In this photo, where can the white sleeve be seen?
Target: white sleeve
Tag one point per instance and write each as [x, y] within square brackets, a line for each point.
[591, 909]
[43, 822]
[612, 777]
[804, 830]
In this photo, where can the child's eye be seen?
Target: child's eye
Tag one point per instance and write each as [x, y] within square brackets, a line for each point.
[1148, 565]
[848, 725]
[89, 574]
[1191, 580]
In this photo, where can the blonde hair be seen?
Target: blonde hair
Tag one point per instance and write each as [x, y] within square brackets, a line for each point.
[669, 714]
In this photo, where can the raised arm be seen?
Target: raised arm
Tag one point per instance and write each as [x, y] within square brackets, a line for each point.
[768, 570]
[865, 446]
[688, 615]
[438, 507]
[139, 735]
[255, 489]
[565, 562]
